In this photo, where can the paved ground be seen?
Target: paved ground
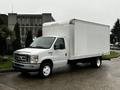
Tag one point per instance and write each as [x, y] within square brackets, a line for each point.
[82, 77]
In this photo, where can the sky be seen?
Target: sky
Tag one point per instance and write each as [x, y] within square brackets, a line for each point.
[99, 11]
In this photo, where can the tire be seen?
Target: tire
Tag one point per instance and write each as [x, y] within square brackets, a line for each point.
[45, 70]
[96, 63]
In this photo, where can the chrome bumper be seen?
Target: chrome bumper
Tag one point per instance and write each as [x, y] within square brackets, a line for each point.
[26, 67]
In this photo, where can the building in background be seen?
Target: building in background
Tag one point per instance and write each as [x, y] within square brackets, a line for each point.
[28, 22]
[4, 18]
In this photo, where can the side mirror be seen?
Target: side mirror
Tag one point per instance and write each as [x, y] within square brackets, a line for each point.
[56, 47]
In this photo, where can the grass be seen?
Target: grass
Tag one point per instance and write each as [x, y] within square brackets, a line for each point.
[113, 54]
[6, 63]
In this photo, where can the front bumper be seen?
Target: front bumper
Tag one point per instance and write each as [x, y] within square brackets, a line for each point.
[26, 67]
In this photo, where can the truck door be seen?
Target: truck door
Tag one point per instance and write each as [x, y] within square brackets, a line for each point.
[60, 51]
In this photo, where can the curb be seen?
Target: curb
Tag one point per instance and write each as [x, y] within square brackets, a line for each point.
[6, 70]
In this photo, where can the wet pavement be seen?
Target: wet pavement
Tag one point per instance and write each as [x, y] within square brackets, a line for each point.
[81, 77]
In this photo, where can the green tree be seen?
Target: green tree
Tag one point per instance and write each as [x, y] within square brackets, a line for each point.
[29, 39]
[4, 33]
[116, 31]
[16, 42]
[112, 39]
[17, 31]
[39, 33]
[1, 21]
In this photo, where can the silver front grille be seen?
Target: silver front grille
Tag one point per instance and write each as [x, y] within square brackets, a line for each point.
[21, 58]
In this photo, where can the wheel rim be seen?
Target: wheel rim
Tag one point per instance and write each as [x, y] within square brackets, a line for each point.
[46, 70]
[98, 62]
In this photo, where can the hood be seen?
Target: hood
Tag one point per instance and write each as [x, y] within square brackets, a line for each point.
[30, 51]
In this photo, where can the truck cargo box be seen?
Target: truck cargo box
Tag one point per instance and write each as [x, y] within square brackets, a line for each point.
[85, 39]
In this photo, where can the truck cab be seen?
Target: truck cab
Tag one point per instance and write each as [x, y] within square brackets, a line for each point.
[42, 55]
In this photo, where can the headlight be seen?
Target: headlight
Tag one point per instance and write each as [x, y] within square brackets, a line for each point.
[34, 59]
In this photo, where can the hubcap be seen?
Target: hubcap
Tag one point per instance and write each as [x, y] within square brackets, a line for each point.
[46, 70]
[98, 62]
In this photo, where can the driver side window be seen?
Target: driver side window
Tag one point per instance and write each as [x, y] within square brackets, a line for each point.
[60, 44]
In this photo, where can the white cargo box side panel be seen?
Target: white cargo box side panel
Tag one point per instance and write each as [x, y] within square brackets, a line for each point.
[56, 30]
[91, 39]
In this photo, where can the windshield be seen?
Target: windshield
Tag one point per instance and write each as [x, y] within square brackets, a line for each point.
[43, 42]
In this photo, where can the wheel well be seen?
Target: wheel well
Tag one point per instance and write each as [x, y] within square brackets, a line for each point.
[47, 61]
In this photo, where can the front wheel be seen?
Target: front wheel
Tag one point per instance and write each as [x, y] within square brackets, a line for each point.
[45, 70]
[96, 63]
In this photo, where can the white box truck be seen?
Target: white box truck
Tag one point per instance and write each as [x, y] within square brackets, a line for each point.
[64, 43]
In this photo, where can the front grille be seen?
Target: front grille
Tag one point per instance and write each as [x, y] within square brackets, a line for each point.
[21, 58]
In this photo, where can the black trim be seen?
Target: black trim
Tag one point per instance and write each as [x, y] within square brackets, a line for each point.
[84, 60]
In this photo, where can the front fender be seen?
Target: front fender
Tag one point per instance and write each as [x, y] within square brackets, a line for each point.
[46, 58]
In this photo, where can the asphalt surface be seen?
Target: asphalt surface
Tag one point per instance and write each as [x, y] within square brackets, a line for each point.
[81, 77]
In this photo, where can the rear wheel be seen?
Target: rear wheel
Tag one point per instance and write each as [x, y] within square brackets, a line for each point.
[45, 70]
[96, 63]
